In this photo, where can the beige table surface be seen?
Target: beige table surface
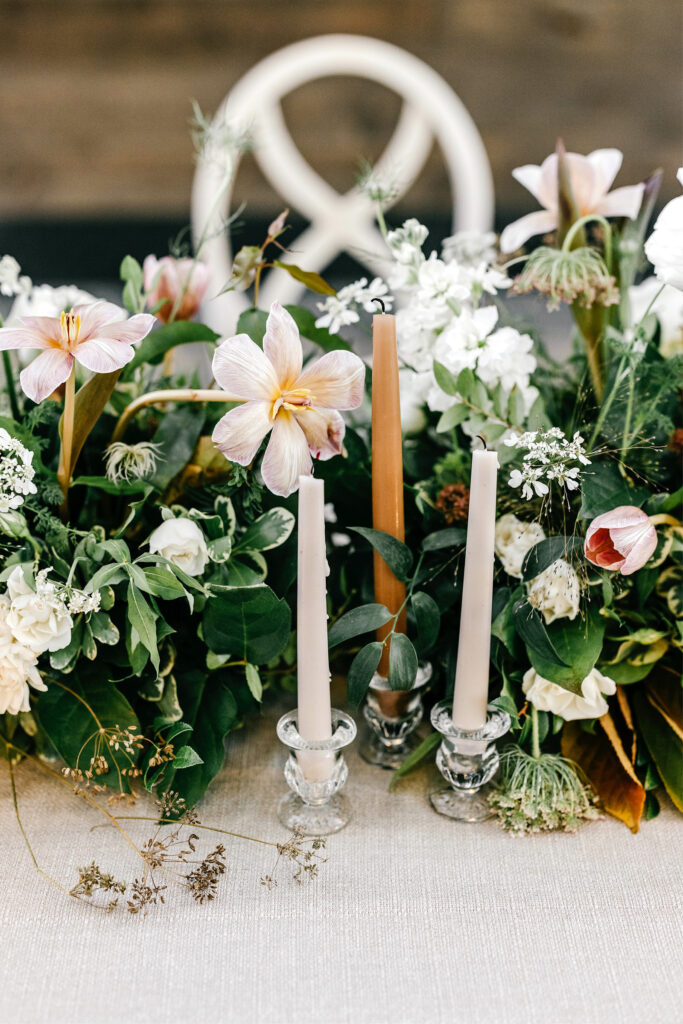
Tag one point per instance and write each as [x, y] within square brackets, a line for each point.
[413, 918]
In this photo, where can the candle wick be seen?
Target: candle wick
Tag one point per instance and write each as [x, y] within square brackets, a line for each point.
[483, 441]
[381, 304]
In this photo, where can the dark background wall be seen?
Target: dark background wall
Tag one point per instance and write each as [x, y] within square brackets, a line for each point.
[96, 100]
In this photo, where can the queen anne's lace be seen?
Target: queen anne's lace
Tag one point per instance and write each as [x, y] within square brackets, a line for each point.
[16, 472]
[548, 459]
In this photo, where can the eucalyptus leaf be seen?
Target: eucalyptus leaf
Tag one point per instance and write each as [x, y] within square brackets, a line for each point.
[402, 663]
[453, 537]
[427, 619]
[395, 553]
[361, 671]
[547, 551]
[365, 619]
[254, 681]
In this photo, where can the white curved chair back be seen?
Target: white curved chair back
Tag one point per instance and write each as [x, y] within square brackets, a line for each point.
[338, 223]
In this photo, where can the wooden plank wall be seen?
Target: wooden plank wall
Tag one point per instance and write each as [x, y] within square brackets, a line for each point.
[95, 93]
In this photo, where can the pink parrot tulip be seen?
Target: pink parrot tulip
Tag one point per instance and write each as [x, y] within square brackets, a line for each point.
[181, 282]
[297, 407]
[622, 540]
[98, 335]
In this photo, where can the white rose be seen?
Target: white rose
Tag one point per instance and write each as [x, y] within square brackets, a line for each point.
[664, 247]
[17, 668]
[555, 593]
[39, 621]
[547, 696]
[182, 542]
[513, 540]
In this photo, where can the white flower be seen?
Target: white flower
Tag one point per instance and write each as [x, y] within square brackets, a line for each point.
[470, 248]
[44, 300]
[17, 671]
[378, 187]
[182, 543]
[442, 289]
[547, 696]
[342, 309]
[555, 592]
[16, 472]
[513, 539]
[11, 281]
[667, 305]
[405, 243]
[664, 247]
[548, 458]
[412, 388]
[79, 602]
[38, 618]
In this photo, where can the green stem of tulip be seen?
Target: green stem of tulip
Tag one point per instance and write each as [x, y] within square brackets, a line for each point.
[627, 418]
[9, 380]
[64, 471]
[535, 740]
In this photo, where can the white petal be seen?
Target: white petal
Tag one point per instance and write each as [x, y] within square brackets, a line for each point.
[324, 432]
[606, 164]
[45, 373]
[103, 355]
[98, 314]
[282, 345]
[287, 456]
[336, 381]
[530, 177]
[242, 369]
[516, 234]
[623, 202]
[240, 432]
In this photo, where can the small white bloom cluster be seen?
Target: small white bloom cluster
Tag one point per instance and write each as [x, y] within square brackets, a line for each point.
[12, 282]
[342, 309]
[549, 457]
[16, 472]
[378, 186]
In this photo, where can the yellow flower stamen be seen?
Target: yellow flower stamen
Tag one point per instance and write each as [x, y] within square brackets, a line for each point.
[70, 324]
[297, 401]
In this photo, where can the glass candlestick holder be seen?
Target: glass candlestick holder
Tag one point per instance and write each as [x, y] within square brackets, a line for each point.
[468, 760]
[392, 717]
[315, 772]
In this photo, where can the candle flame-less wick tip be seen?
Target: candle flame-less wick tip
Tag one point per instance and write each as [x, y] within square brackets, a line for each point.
[380, 302]
[483, 441]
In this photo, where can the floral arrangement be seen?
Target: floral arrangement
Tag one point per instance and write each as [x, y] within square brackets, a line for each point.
[146, 544]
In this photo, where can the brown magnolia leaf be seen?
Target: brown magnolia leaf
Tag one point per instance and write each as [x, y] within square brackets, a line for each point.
[664, 745]
[206, 466]
[622, 700]
[664, 693]
[602, 757]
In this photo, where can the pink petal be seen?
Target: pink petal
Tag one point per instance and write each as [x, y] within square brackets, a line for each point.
[336, 381]
[641, 551]
[103, 355]
[583, 179]
[240, 432]
[287, 456]
[150, 269]
[324, 432]
[605, 164]
[516, 234]
[95, 315]
[622, 515]
[282, 345]
[27, 336]
[241, 368]
[130, 332]
[623, 202]
[530, 176]
[45, 373]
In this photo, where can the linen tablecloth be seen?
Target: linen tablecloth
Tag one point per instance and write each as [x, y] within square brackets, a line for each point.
[412, 919]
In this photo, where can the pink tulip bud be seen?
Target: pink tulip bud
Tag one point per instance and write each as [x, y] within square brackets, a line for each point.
[181, 282]
[621, 540]
[278, 225]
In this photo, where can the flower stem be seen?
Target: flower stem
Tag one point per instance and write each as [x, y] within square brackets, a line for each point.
[9, 380]
[64, 471]
[535, 740]
[627, 417]
[578, 225]
[169, 395]
[607, 405]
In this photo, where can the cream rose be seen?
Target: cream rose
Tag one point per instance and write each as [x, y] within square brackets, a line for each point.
[17, 669]
[182, 542]
[38, 620]
[547, 696]
[555, 592]
[513, 540]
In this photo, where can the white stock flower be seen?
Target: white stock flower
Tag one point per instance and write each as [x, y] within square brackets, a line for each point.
[513, 540]
[341, 309]
[555, 592]
[17, 668]
[182, 543]
[413, 396]
[664, 247]
[38, 618]
[667, 305]
[16, 472]
[11, 280]
[547, 696]
[44, 300]
[470, 248]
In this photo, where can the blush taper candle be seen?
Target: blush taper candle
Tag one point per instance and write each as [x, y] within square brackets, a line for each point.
[387, 468]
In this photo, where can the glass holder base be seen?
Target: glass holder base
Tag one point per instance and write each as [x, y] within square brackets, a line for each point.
[378, 752]
[462, 804]
[314, 819]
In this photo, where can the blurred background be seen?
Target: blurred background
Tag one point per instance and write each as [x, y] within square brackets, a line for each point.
[96, 158]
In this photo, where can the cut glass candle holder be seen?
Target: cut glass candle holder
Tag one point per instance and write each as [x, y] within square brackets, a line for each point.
[315, 772]
[468, 760]
[392, 717]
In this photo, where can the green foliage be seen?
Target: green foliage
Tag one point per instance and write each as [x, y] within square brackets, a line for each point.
[364, 619]
[361, 671]
[154, 347]
[604, 487]
[313, 281]
[547, 551]
[249, 623]
[402, 663]
[397, 555]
